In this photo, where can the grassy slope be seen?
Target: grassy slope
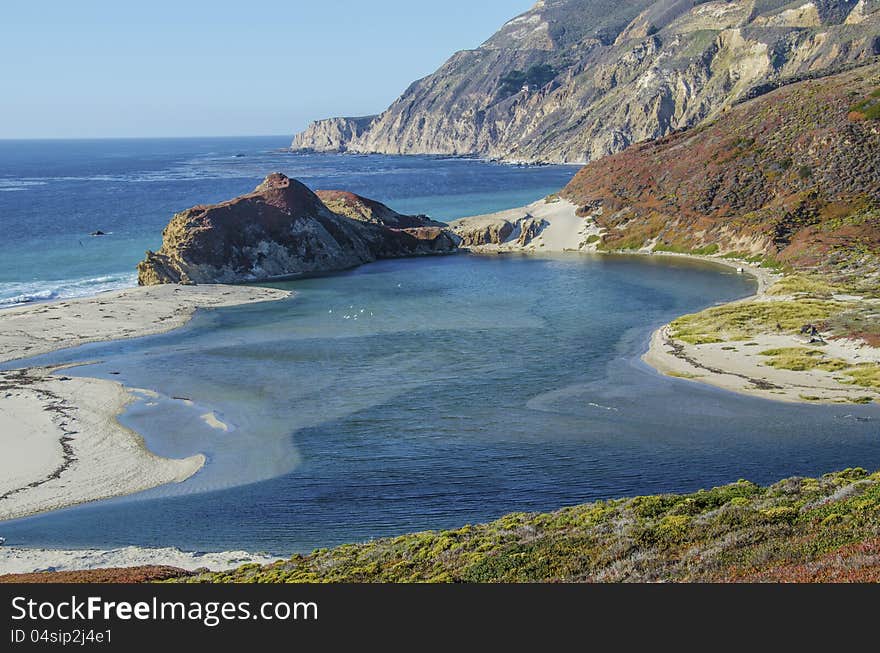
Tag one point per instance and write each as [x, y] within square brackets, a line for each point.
[800, 529]
[792, 176]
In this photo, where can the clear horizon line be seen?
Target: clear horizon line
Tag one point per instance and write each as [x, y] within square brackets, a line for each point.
[137, 138]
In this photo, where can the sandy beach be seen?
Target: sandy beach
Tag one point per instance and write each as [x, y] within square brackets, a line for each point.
[740, 366]
[557, 228]
[35, 329]
[61, 441]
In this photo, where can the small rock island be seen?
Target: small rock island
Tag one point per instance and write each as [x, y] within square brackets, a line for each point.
[283, 229]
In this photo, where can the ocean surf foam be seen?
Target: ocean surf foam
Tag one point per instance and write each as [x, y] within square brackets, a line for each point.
[19, 293]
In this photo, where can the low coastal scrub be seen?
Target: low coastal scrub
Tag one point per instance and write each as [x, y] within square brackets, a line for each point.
[801, 359]
[707, 250]
[803, 529]
[743, 320]
[867, 109]
[866, 375]
[857, 323]
[761, 260]
[801, 284]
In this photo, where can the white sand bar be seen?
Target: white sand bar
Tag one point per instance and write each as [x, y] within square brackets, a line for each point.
[27, 331]
[60, 441]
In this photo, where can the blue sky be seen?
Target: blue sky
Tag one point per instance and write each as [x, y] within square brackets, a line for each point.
[90, 68]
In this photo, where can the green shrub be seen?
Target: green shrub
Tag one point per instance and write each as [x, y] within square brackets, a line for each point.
[801, 284]
[742, 320]
[869, 108]
[801, 359]
[537, 75]
[866, 375]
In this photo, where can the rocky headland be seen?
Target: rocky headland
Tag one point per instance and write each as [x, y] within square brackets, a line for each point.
[282, 229]
[576, 80]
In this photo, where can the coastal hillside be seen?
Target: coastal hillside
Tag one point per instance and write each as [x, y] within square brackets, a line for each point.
[797, 530]
[576, 80]
[791, 178]
[283, 229]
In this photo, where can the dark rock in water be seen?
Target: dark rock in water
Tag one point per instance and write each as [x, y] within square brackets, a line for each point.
[239, 156]
[97, 233]
[283, 229]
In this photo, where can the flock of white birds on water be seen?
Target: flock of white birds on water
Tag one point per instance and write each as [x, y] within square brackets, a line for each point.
[355, 314]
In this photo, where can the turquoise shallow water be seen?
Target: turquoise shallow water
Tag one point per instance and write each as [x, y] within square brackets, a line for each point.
[428, 393]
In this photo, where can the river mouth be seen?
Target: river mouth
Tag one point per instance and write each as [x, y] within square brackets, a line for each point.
[428, 393]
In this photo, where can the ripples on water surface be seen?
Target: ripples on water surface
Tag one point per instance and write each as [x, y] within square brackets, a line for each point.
[417, 394]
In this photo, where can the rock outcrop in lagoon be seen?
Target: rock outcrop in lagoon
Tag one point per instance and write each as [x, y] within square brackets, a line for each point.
[576, 80]
[283, 229]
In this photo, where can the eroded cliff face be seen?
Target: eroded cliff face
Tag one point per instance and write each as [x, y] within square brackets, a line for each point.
[575, 80]
[792, 177]
[333, 134]
[282, 229]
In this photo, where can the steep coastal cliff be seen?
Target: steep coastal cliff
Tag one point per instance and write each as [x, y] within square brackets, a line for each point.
[333, 134]
[792, 177]
[575, 80]
[283, 229]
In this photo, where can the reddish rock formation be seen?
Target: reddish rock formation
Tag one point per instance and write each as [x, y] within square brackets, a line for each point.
[367, 210]
[282, 229]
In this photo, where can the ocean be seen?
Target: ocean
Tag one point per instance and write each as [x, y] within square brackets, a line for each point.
[54, 194]
[403, 395]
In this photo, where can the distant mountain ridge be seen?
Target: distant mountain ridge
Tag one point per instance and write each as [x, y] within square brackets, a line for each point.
[576, 80]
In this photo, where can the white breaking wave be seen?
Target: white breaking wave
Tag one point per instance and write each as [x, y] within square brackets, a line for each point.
[13, 185]
[19, 293]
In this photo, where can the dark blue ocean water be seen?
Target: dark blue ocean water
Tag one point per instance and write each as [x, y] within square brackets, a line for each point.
[427, 393]
[53, 194]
